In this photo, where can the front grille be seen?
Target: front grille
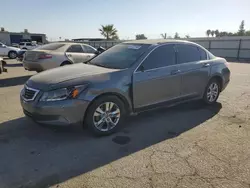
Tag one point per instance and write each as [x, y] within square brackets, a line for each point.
[29, 93]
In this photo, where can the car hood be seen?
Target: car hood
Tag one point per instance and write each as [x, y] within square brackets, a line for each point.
[68, 75]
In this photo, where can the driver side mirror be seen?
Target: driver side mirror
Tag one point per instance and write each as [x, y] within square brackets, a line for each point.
[141, 69]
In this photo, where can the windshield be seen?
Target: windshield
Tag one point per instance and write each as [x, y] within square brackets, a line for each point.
[120, 56]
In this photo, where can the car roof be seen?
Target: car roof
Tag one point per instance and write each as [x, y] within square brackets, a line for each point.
[158, 41]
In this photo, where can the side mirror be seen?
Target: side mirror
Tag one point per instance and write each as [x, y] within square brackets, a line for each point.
[100, 49]
[141, 68]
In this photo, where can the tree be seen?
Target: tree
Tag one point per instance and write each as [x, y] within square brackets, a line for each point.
[247, 33]
[140, 37]
[208, 32]
[109, 32]
[217, 33]
[187, 36]
[2, 29]
[241, 31]
[164, 35]
[212, 33]
[26, 31]
[176, 36]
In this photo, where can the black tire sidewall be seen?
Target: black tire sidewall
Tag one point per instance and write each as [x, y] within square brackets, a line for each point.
[14, 53]
[65, 63]
[205, 99]
[92, 108]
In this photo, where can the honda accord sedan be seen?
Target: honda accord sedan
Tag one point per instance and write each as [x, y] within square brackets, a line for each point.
[128, 78]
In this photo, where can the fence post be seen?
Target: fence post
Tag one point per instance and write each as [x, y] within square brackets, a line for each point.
[209, 45]
[238, 53]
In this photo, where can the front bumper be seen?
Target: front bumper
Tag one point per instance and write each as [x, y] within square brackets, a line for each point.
[61, 113]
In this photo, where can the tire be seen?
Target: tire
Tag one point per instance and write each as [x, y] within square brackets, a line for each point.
[65, 63]
[12, 55]
[213, 87]
[108, 126]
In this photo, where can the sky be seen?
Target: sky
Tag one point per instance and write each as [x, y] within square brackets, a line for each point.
[70, 19]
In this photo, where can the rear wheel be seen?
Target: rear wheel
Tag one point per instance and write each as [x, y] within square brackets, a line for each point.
[212, 92]
[65, 63]
[12, 55]
[105, 115]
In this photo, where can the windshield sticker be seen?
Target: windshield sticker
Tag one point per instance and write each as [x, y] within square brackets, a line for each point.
[135, 47]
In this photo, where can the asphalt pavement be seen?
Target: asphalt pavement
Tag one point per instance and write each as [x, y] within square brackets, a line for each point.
[190, 145]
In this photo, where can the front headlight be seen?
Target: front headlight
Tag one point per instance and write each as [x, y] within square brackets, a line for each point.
[63, 93]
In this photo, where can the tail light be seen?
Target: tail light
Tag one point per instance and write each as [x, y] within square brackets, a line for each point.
[45, 56]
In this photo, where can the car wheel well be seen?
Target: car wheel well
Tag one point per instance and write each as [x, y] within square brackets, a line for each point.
[119, 96]
[65, 63]
[219, 79]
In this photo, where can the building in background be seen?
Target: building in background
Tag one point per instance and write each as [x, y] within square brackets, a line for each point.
[10, 38]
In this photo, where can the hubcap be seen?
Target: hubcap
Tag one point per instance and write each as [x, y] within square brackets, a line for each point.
[12, 55]
[106, 116]
[213, 91]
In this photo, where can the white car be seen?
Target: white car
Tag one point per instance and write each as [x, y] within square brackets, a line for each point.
[27, 45]
[9, 51]
[57, 54]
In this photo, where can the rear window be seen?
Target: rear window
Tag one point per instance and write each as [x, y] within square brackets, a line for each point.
[51, 46]
[21, 43]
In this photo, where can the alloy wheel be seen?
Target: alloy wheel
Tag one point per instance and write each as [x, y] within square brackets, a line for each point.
[106, 116]
[212, 92]
[13, 55]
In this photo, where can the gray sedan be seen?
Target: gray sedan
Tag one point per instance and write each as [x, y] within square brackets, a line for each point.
[128, 78]
[57, 54]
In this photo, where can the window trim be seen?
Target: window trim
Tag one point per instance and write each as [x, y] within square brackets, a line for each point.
[75, 52]
[136, 69]
[198, 48]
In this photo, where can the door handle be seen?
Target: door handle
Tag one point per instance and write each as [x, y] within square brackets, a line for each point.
[206, 65]
[175, 72]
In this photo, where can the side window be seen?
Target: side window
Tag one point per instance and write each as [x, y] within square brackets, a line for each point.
[161, 57]
[75, 49]
[28, 44]
[21, 43]
[203, 54]
[187, 53]
[88, 49]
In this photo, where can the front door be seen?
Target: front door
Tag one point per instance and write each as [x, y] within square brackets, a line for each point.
[76, 54]
[157, 79]
[194, 68]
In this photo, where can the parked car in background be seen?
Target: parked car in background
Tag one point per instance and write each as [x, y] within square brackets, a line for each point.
[128, 78]
[9, 51]
[27, 45]
[57, 54]
[2, 66]
[20, 55]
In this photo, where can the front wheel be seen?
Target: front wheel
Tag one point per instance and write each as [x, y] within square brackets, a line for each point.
[12, 55]
[105, 115]
[212, 92]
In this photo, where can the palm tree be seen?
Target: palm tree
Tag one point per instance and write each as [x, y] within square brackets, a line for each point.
[208, 32]
[109, 32]
[187, 36]
[164, 35]
[212, 33]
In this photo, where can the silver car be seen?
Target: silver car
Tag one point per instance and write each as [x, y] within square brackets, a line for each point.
[128, 78]
[56, 55]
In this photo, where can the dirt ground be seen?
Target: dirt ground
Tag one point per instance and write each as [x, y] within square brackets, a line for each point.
[190, 145]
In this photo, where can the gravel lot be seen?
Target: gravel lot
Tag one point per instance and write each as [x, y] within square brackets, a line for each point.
[191, 145]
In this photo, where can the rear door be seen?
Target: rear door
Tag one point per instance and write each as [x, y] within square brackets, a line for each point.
[194, 68]
[157, 80]
[75, 53]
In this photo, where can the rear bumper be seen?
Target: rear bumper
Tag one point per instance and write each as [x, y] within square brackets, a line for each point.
[38, 66]
[59, 113]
